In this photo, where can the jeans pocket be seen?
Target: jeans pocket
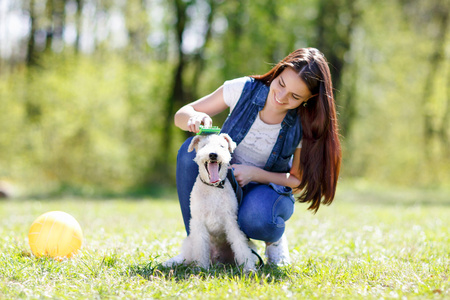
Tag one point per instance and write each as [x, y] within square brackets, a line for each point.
[283, 190]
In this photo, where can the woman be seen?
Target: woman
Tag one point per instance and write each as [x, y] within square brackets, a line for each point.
[284, 123]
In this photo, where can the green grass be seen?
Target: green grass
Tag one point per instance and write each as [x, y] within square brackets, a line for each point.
[371, 243]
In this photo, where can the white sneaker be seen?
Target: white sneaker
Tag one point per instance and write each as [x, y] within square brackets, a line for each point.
[278, 253]
[174, 261]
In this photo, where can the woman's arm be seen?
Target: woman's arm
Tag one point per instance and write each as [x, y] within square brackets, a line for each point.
[197, 113]
[245, 174]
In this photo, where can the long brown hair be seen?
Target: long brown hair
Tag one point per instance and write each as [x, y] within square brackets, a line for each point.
[320, 158]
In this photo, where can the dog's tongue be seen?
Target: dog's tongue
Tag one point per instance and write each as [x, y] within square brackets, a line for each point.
[213, 169]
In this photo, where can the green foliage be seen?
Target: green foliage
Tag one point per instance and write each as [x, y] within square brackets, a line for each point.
[86, 122]
[388, 68]
[371, 243]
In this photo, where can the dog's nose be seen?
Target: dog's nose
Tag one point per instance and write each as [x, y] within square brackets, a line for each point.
[213, 156]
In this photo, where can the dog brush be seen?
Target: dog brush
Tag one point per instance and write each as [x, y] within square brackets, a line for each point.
[207, 131]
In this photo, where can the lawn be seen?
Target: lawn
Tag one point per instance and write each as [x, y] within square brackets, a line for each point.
[371, 243]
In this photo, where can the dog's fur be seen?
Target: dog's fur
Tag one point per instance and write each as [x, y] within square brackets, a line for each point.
[213, 225]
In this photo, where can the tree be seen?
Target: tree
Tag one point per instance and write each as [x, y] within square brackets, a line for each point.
[441, 12]
[180, 94]
[78, 23]
[431, 20]
[56, 16]
[335, 24]
[138, 29]
[31, 57]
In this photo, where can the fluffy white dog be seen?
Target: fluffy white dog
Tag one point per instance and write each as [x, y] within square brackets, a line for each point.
[214, 207]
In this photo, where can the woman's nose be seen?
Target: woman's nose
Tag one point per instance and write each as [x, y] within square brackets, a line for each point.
[281, 95]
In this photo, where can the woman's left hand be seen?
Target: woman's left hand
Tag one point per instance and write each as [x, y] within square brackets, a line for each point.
[244, 174]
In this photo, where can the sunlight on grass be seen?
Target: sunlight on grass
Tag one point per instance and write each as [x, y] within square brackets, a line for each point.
[368, 244]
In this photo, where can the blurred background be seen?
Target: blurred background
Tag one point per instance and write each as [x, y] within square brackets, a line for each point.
[88, 88]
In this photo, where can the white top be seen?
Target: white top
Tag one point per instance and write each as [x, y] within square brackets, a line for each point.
[255, 148]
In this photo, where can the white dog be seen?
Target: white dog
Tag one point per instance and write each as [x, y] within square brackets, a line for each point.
[214, 208]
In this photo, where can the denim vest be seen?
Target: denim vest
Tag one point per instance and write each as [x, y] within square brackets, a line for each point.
[243, 116]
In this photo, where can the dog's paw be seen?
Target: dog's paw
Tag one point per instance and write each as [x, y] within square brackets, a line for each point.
[203, 264]
[174, 261]
[249, 267]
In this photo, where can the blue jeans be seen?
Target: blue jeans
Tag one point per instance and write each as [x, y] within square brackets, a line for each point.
[262, 212]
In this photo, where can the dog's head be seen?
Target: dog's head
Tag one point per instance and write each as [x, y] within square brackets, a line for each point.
[213, 156]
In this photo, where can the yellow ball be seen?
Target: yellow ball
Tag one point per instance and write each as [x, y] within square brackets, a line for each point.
[55, 234]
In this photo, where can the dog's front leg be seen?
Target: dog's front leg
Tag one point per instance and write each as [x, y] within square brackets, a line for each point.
[200, 247]
[239, 245]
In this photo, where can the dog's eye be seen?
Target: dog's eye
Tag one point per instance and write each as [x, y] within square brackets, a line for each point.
[222, 146]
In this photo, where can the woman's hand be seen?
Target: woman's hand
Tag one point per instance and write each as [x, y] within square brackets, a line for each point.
[198, 119]
[199, 112]
[244, 174]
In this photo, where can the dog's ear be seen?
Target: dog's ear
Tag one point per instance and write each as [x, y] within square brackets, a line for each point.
[231, 143]
[194, 143]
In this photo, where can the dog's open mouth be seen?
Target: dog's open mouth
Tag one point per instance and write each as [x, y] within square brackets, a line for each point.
[213, 168]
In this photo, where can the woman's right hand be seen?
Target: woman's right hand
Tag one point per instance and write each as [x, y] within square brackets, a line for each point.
[192, 115]
[198, 119]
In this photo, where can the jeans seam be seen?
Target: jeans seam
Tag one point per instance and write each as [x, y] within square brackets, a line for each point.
[273, 212]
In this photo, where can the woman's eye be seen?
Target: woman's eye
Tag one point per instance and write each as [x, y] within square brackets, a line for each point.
[281, 83]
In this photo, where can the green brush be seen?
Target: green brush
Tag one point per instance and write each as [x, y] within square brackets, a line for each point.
[206, 131]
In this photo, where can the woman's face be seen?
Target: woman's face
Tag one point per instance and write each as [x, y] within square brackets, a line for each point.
[287, 91]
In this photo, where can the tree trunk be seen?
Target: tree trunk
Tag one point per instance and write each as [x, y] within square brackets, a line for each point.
[78, 22]
[176, 97]
[59, 22]
[179, 92]
[137, 27]
[49, 29]
[444, 131]
[199, 58]
[31, 58]
[436, 59]
[334, 39]
[272, 48]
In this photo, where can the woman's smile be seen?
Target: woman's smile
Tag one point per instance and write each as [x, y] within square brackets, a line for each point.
[278, 101]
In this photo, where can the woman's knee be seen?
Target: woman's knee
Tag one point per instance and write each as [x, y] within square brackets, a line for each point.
[262, 229]
[263, 214]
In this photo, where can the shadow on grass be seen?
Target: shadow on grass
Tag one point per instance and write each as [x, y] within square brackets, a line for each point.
[153, 271]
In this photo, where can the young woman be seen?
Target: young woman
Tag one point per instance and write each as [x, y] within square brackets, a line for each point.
[284, 123]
